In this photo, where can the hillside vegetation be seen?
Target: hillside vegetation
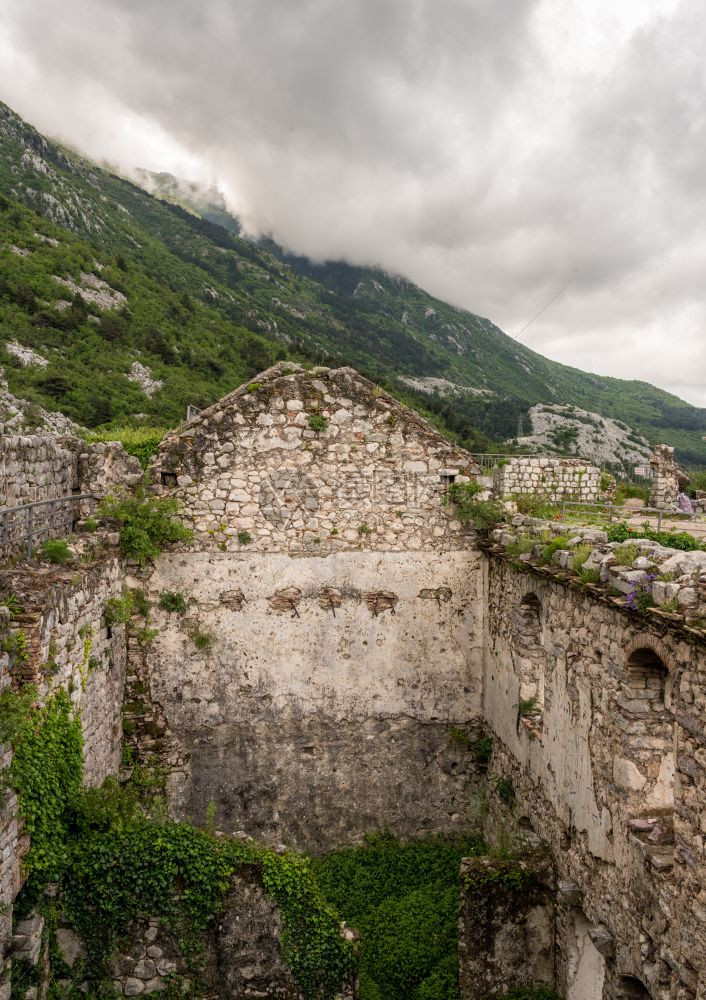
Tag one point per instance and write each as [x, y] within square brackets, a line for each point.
[164, 287]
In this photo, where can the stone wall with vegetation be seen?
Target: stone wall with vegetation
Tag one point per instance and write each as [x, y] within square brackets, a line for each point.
[317, 462]
[597, 712]
[36, 467]
[556, 479]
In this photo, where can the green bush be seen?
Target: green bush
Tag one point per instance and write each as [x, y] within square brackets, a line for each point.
[556, 544]
[15, 643]
[201, 639]
[535, 505]
[173, 601]
[671, 539]
[626, 555]
[118, 610]
[483, 514]
[403, 899]
[56, 550]
[147, 523]
[580, 555]
[521, 545]
[244, 537]
[142, 442]
[630, 491]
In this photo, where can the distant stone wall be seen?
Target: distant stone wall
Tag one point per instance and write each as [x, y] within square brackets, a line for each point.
[36, 467]
[556, 478]
[43, 467]
[664, 484]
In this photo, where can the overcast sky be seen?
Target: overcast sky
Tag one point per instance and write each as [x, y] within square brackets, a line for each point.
[490, 150]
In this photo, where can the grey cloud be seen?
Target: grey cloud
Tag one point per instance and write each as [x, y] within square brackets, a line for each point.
[456, 141]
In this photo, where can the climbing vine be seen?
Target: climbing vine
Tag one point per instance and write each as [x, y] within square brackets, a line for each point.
[46, 772]
[182, 874]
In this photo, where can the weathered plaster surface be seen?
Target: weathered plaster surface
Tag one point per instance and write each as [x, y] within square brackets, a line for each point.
[314, 722]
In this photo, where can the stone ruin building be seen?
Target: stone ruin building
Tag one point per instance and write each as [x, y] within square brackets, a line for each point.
[352, 620]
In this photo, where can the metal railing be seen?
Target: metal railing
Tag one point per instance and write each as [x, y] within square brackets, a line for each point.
[30, 523]
[192, 411]
[606, 513]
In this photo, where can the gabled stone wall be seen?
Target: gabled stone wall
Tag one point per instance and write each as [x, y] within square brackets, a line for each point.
[370, 477]
[344, 631]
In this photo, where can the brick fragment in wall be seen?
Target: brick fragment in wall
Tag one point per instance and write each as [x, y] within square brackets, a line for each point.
[439, 594]
[233, 599]
[330, 597]
[285, 600]
[381, 600]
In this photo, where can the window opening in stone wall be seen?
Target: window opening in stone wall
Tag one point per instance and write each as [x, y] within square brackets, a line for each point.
[530, 663]
[446, 478]
[630, 988]
[647, 768]
[648, 678]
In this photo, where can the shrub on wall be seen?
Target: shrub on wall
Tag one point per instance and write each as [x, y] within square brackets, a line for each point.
[147, 523]
[483, 514]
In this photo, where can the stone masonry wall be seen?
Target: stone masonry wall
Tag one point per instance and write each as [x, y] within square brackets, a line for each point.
[556, 478]
[69, 647]
[611, 774]
[320, 708]
[340, 637]
[36, 467]
[41, 467]
[370, 477]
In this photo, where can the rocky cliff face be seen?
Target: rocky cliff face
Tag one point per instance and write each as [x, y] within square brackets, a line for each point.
[599, 439]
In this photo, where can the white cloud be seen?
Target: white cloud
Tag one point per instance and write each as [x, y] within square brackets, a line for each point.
[491, 152]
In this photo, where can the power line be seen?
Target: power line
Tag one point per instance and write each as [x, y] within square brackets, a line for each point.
[546, 306]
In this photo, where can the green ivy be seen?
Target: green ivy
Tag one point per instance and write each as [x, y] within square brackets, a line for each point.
[403, 899]
[46, 772]
[182, 874]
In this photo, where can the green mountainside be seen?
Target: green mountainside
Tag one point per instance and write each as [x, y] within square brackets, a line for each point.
[102, 281]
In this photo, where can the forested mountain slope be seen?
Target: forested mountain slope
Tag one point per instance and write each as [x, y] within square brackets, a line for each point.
[100, 277]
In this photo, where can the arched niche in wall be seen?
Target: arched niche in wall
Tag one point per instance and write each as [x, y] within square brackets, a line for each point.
[646, 705]
[630, 988]
[529, 660]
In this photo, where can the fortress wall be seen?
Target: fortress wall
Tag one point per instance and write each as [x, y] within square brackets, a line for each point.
[347, 623]
[322, 709]
[36, 467]
[556, 478]
[609, 768]
[68, 647]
